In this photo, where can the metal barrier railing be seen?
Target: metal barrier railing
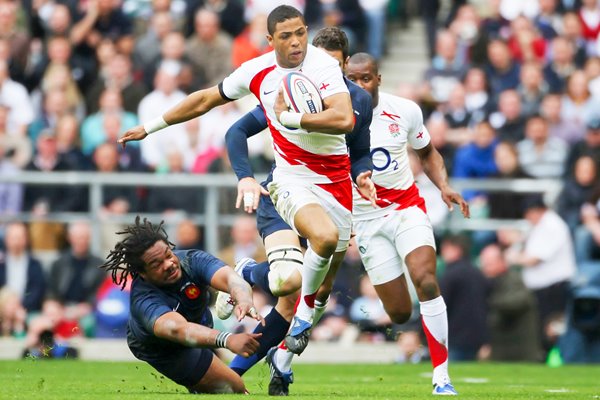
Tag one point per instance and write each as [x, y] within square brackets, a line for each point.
[211, 219]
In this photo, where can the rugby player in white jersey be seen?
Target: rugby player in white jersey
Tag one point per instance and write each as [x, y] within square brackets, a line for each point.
[398, 232]
[311, 187]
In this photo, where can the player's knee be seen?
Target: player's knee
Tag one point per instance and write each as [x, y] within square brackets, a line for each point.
[428, 287]
[284, 277]
[324, 242]
[282, 284]
[400, 316]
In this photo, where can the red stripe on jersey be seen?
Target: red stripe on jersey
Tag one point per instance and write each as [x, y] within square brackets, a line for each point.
[258, 79]
[404, 198]
[341, 191]
[336, 167]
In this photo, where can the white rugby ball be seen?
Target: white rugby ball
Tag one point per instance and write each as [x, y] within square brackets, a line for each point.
[300, 94]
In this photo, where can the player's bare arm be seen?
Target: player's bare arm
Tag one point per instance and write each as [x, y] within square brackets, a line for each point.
[227, 280]
[194, 105]
[174, 327]
[337, 118]
[433, 165]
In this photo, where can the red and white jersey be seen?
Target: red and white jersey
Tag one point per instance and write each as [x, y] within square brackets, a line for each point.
[309, 157]
[397, 122]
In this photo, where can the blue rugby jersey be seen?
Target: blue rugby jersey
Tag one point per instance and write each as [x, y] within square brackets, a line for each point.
[189, 297]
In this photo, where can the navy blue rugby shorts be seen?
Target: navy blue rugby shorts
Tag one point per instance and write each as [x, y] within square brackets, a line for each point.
[184, 366]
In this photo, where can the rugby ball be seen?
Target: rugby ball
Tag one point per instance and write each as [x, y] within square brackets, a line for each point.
[300, 94]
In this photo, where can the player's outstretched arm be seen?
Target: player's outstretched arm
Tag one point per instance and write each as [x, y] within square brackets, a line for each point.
[337, 117]
[236, 139]
[194, 105]
[174, 327]
[227, 280]
[433, 165]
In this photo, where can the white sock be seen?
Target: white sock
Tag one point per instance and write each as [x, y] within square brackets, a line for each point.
[283, 359]
[313, 273]
[319, 310]
[435, 324]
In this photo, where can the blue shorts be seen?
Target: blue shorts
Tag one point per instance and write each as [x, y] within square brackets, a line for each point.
[268, 219]
[185, 366]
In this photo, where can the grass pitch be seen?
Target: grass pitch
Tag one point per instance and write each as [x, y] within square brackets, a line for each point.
[64, 379]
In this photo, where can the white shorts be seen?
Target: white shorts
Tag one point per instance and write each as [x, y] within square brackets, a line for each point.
[291, 197]
[384, 243]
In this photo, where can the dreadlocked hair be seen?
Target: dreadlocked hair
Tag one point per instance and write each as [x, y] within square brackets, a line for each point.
[126, 258]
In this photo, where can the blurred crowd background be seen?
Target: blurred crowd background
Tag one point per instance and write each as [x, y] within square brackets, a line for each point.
[512, 90]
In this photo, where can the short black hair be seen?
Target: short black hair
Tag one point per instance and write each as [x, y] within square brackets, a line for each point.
[280, 14]
[126, 258]
[365, 58]
[332, 38]
[534, 201]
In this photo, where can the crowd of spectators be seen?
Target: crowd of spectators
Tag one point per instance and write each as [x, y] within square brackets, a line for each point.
[512, 91]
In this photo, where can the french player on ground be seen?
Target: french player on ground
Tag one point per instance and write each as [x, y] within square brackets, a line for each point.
[170, 326]
[311, 187]
[280, 275]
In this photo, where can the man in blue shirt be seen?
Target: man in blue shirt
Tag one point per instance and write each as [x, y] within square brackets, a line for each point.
[170, 326]
[280, 275]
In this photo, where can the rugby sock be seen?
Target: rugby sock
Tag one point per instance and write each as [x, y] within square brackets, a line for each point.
[247, 273]
[435, 325]
[283, 358]
[260, 277]
[272, 334]
[313, 273]
[319, 310]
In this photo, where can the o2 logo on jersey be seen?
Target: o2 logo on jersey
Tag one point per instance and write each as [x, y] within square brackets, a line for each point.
[191, 291]
[388, 159]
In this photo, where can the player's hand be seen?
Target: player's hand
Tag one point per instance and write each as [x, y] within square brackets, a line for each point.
[243, 309]
[244, 344]
[280, 105]
[249, 191]
[450, 196]
[136, 133]
[367, 187]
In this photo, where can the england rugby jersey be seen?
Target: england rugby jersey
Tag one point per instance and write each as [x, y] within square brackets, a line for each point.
[308, 157]
[397, 123]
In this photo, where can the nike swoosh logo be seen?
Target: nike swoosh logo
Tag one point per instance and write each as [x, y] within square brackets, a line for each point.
[266, 93]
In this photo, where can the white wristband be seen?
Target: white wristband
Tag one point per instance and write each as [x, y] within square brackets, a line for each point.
[290, 119]
[155, 124]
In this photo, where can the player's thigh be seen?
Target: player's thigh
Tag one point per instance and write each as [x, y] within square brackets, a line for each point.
[378, 251]
[219, 379]
[314, 213]
[416, 245]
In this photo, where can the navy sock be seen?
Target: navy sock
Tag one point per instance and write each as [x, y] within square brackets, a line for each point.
[260, 276]
[247, 273]
[273, 333]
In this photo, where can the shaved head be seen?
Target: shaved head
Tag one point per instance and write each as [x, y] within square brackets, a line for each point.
[365, 58]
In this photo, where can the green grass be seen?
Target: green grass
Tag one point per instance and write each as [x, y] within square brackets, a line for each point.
[35, 379]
